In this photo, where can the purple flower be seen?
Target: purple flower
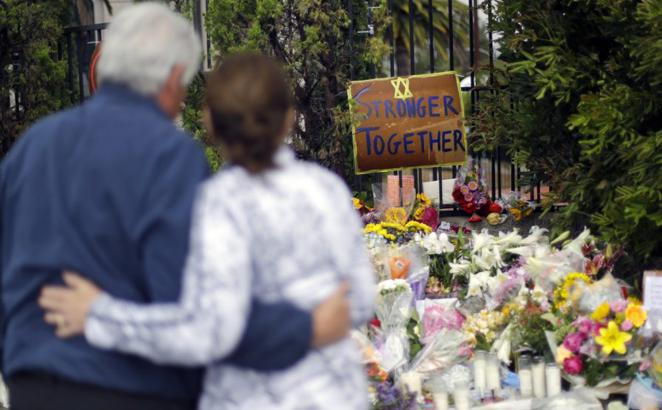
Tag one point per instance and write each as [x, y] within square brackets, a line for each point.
[573, 341]
[584, 325]
[392, 398]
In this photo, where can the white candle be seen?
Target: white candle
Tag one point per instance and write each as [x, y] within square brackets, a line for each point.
[480, 378]
[493, 376]
[461, 396]
[538, 373]
[553, 379]
[413, 382]
[440, 400]
[525, 382]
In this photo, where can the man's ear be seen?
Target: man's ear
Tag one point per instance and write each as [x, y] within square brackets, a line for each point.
[174, 81]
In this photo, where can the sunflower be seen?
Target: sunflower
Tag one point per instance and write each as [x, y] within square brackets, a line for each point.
[424, 200]
[396, 215]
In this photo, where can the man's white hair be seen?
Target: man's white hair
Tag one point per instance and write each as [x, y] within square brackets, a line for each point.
[143, 44]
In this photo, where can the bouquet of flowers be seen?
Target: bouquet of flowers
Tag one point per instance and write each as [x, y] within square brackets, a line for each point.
[601, 345]
[425, 213]
[470, 192]
[393, 308]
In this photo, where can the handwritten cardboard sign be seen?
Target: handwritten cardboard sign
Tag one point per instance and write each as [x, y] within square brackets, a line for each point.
[408, 122]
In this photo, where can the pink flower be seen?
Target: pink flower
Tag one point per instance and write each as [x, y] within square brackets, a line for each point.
[645, 365]
[619, 305]
[464, 189]
[573, 341]
[465, 350]
[584, 325]
[468, 197]
[473, 185]
[573, 365]
[430, 217]
[626, 326]
[437, 317]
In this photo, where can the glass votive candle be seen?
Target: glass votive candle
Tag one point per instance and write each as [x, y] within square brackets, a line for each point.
[493, 374]
[552, 379]
[461, 395]
[538, 375]
[439, 391]
[412, 380]
[525, 376]
[480, 372]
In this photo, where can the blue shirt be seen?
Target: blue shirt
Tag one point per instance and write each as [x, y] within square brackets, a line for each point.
[106, 189]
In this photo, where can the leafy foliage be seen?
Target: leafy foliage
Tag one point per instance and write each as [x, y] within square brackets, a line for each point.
[32, 77]
[312, 39]
[578, 102]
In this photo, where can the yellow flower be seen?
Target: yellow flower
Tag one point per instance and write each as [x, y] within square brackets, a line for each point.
[566, 292]
[370, 228]
[561, 354]
[357, 203]
[414, 226]
[396, 215]
[612, 339]
[636, 314]
[424, 200]
[419, 212]
[601, 312]
[395, 226]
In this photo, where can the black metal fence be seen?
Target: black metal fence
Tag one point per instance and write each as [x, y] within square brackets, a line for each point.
[501, 175]
[80, 43]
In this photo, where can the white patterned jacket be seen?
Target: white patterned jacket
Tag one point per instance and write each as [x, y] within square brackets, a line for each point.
[290, 234]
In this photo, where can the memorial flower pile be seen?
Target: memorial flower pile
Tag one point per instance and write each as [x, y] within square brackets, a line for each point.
[505, 293]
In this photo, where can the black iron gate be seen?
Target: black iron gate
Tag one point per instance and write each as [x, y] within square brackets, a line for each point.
[468, 57]
[501, 175]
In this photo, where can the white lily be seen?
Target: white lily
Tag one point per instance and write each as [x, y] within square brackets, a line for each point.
[536, 236]
[575, 246]
[461, 267]
[437, 244]
[480, 240]
[477, 283]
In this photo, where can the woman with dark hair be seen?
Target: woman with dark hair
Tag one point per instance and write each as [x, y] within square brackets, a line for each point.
[267, 226]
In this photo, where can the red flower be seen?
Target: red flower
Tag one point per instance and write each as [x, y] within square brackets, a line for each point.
[474, 218]
[469, 208]
[430, 217]
[494, 208]
[375, 322]
[573, 365]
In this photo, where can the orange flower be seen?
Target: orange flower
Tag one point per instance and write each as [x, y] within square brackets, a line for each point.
[636, 314]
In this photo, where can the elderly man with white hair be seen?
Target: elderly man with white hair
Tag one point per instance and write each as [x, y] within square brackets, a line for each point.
[107, 189]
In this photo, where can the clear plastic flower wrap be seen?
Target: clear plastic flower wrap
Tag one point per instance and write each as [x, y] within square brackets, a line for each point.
[593, 295]
[446, 349]
[393, 308]
[389, 197]
[437, 318]
[409, 262]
